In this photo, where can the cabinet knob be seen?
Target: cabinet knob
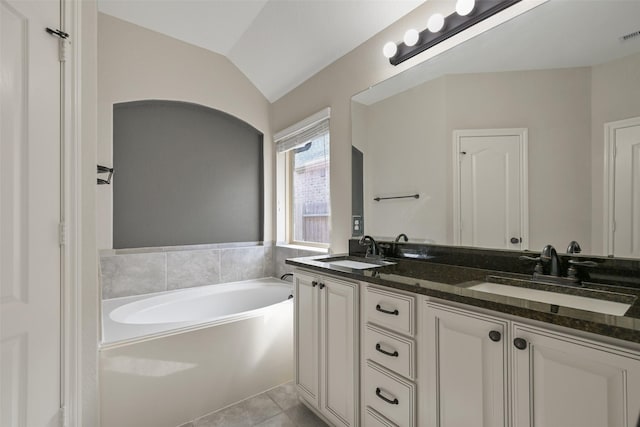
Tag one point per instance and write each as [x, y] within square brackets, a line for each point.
[382, 310]
[392, 402]
[388, 353]
[321, 285]
[520, 343]
[314, 283]
[495, 336]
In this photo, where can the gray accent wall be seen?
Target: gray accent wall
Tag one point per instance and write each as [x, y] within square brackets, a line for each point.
[184, 174]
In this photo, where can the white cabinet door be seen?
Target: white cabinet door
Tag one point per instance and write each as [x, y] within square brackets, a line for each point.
[562, 381]
[307, 338]
[339, 308]
[466, 370]
[30, 256]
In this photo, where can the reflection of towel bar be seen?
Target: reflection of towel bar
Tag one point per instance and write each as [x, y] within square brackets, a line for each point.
[104, 169]
[414, 196]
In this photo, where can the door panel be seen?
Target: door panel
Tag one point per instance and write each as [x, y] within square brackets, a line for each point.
[306, 333]
[627, 192]
[490, 191]
[339, 320]
[467, 380]
[29, 214]
[564, 382]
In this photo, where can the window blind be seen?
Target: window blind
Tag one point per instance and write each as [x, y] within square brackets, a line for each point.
[302, 132]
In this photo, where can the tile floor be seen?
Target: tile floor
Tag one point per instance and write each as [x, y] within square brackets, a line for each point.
[278, 407]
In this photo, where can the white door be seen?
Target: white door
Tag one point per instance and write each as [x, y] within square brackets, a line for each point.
[490, 188]
[307, 337]
[466, 369]
[30, 255]
[562, 381]
[339, 329]
[624, 227]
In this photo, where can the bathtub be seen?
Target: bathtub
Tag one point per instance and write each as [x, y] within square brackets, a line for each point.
[170, 357]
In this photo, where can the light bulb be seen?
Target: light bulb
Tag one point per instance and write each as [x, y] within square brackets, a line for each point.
[465, 7]
[389, 49]
[435, 22]
[411, 37]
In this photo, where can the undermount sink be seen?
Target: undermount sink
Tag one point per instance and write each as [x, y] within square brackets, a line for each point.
[596, 305]
[354, 264]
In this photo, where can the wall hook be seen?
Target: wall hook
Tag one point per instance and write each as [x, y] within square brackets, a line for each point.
[104, 169]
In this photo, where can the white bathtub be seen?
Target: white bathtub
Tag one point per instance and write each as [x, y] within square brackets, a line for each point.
[171, 357]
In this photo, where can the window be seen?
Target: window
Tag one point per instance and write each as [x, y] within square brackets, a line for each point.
[304, 154]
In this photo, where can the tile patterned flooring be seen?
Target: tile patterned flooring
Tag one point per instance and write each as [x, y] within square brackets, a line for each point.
[278, 407]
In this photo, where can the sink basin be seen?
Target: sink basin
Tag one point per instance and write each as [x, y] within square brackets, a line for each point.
[354, 264]
[565, 300]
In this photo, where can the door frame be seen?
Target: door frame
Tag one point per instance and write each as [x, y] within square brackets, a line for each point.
[523, 138]
[608, 212]
[79, 281]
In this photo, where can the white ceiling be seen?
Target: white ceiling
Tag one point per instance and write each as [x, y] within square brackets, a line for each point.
[277, 44]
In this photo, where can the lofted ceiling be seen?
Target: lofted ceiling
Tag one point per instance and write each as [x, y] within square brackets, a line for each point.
[277, 44]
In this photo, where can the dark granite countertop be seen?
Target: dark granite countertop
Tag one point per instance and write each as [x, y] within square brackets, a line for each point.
[450, 282]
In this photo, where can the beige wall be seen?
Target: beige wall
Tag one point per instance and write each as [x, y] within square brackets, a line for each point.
[404, 142]
[409, 149]
[135, 64]
[554, 105]
[615, 96]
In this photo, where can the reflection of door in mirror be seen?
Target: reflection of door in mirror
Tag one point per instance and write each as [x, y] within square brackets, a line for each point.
[490, 179]
[623, 148]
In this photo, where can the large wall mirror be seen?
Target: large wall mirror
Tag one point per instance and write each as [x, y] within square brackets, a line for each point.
[526, 135]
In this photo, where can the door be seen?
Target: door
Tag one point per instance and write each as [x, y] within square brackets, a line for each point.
[339, 379]
[561, 381]
[30, 255]
[307, 337]
[624, 208]
[466, 356]
[490, 186]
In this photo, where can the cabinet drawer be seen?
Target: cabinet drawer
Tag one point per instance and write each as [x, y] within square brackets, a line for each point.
[389, 309]
[374, 419]
[390, 395]
[389, 350]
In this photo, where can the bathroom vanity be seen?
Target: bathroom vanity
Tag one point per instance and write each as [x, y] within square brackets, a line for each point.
[422, 343]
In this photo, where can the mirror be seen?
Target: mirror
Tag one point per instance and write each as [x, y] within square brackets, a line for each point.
[554, 77]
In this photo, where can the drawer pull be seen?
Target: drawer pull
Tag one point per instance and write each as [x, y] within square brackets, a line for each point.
[379, 348]
[382, 310]
[379, 394]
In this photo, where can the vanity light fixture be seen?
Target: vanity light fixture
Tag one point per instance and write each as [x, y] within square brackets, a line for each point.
[465, 7]
[435, 23]
[440, 28]
[411, 37]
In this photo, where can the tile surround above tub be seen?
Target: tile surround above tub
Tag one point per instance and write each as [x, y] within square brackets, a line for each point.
[140, 271]
[133, 274]
[126, 272]
[186, 269]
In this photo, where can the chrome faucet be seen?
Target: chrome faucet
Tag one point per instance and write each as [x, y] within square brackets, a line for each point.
[549, 254]
[370, 243]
